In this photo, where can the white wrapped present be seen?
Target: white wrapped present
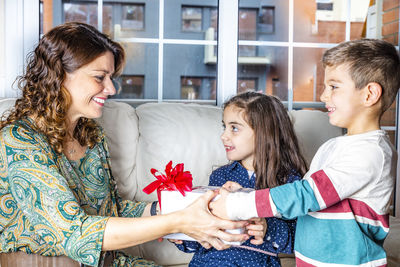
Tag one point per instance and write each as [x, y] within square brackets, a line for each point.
[173, 201]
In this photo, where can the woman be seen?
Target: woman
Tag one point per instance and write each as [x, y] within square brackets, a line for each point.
[57, 193]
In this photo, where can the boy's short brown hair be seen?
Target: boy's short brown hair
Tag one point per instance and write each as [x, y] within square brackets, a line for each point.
[369, 60]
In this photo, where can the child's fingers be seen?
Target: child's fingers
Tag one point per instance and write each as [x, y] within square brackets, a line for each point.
[176, 241]
[257, 241]
[255, 227]
[232, 186]
[206, 245]
[256, 233]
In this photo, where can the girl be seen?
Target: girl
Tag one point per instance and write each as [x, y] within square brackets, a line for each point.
[260, 141]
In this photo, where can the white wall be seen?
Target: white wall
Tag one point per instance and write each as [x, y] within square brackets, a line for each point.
[20, 25]
[2, 48]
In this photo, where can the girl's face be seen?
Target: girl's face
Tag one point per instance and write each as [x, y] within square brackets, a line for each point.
[89, 87]
[238, 137]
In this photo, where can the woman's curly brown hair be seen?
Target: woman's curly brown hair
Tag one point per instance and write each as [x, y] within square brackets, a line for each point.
[62, 50]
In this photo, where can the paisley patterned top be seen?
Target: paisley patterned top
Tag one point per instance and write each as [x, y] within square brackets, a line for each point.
[51, 206]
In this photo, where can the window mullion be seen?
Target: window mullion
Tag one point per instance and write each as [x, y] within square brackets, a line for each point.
[228, 11]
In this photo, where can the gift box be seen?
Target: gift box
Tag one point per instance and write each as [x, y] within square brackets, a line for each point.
[174, 192]
[173, 201]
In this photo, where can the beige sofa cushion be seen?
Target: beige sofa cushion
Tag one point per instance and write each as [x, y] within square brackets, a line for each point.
[120, 124]
[183, 133]
[392, 242]
[312, 128]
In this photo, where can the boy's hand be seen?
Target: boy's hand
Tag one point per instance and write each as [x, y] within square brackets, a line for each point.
[218, 206]
[258, 229]
[232, 186]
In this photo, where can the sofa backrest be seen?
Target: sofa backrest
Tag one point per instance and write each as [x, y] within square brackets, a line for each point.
[184, 133]
[155, 133]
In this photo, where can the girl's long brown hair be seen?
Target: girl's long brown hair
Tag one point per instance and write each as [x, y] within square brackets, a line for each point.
[277, 151]
[62, 50]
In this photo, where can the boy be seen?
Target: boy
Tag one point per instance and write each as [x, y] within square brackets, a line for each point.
[342, 203]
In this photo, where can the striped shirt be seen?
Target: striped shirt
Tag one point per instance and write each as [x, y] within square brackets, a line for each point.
[342, 203]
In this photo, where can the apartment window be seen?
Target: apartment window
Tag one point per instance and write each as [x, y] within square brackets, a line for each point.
[325, 6]
[193, 88]
[247, 84]
[190, 88]
[247, 30]
[191, 19]
[132, 17]
[267, 19]
[129, 86]
[86, 12]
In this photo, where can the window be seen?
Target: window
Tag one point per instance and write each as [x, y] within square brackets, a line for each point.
[132, 17]
[278, 44]
[247, 30]
[324, 5]
[198, 88]
[247, 84]
[191, 19]
[130, 86]
[267, 18]
[85, 12]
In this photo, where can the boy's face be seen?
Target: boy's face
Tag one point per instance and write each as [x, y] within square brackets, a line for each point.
[342, 99]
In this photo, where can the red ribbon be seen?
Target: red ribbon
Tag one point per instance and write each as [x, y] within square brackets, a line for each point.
[174, 179]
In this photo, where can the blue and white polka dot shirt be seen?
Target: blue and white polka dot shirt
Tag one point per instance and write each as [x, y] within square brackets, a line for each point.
[278, 239]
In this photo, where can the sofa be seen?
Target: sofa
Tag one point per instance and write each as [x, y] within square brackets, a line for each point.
[152, 134]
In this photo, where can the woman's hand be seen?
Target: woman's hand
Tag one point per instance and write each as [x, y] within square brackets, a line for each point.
[258, 229]
[197, 221]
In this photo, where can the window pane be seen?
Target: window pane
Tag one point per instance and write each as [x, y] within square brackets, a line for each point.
[132, 20]
[189, 77]
[263, 21]
[267, 19]
[265, 72]
[191, 19]
[132, 17]
[82, 11]
[140, 76]
[325, 21]
[247, 84]
[130, 86]
[197, 21]
[308, 74]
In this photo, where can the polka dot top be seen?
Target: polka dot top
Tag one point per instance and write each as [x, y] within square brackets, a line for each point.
[278, 239]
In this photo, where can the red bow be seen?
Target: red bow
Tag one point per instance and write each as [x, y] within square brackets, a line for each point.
[173, 179]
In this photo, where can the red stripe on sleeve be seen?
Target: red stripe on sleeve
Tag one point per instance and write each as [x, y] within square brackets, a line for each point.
[301, 263]
[263, 204]
[325, 188]
[358, 208]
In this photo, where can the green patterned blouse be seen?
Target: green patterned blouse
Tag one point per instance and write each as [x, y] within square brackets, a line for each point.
[51, 206]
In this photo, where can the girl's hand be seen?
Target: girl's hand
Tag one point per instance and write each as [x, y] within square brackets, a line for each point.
[258, 229]
[231, 186]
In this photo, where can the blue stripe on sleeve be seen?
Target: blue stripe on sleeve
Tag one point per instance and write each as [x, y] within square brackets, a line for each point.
[294, 199]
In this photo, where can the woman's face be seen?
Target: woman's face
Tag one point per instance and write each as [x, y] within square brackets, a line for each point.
[89, 87]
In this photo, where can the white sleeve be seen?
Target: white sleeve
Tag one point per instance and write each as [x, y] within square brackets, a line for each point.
[241, 205]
